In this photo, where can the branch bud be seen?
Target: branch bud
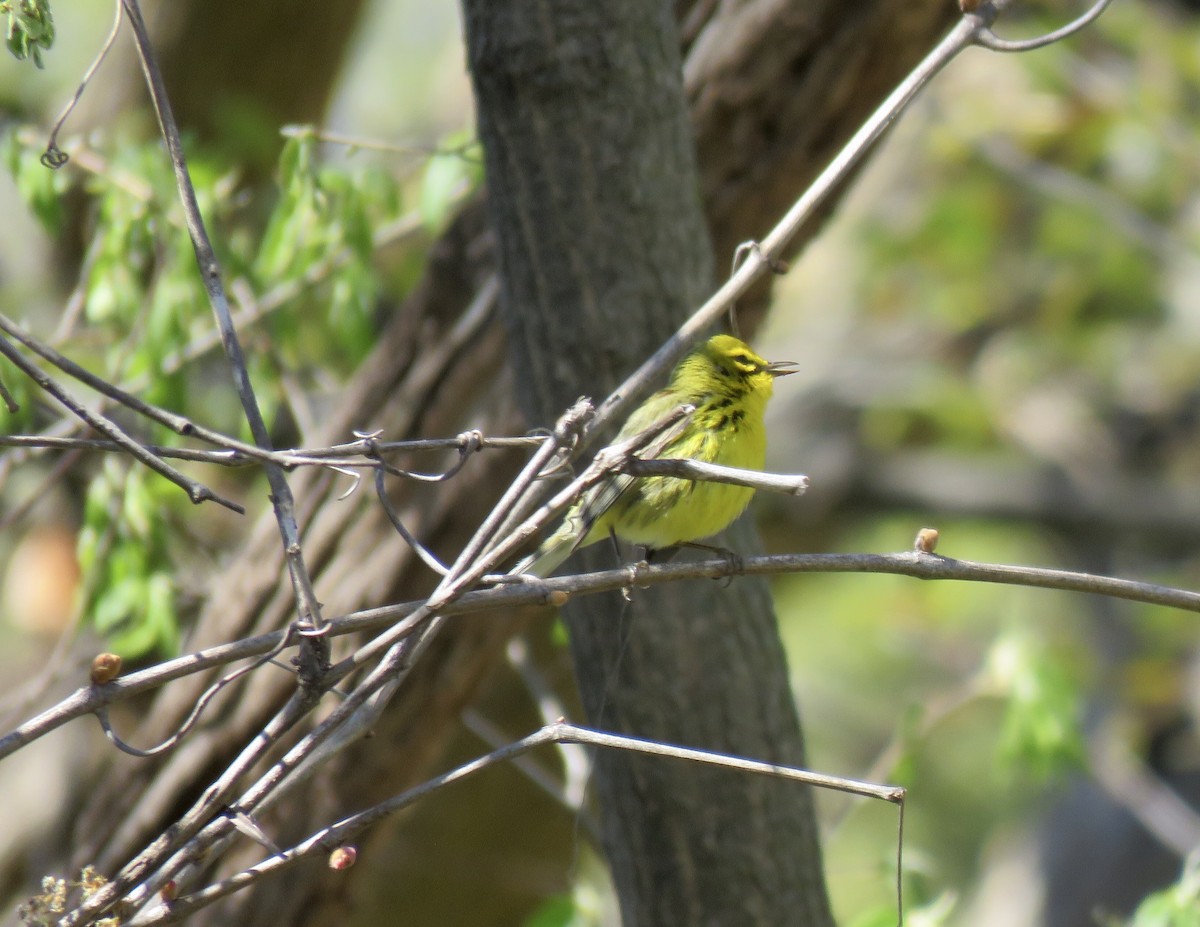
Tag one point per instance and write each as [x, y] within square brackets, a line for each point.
[926, 541]
[343, 858]
[105, 668]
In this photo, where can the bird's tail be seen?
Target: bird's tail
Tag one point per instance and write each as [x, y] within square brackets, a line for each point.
[555, 549]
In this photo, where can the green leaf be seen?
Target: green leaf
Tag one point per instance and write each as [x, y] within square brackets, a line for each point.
[127, 566]
[30, 29]
[118, 603]
[1175, 906]
[556, 912]
[39, 186]
[934, 914]
[450, 173]
[1041, 731]
[161, 616]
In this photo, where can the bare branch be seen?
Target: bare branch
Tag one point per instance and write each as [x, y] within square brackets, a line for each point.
[329, 838]
[179, 424]
[684, 468]
[400, 618]
[339, 456]
[197, 492]
[315, 654]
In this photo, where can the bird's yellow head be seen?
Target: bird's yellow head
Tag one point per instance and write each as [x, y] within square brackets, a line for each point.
[729, 361]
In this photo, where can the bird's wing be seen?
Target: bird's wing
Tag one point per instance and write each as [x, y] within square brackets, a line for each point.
[582, 517]
[598, 500]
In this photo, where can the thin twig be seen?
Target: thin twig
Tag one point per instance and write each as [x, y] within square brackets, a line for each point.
[314, 655]
[329, 838]
[341, 455]
[53, 157]
[788, 484]
[394, 517]
[197, 492]
[424, 149]
[467, 444]
[147, 868]
[398, 617]
[989, 39]
[197, 708]
[10, 402]
[179, 424]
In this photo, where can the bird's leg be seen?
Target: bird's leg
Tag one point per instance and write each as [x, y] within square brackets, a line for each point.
[626, 590]
[733, 558]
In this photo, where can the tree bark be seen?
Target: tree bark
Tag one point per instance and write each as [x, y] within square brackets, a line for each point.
[593, 193]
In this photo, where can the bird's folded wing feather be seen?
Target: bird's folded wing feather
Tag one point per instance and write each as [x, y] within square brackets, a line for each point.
[599, 499]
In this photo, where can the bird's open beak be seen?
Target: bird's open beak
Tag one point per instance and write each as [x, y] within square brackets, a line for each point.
[782, 368]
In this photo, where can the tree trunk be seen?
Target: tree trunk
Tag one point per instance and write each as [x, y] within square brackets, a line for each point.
[603, 248]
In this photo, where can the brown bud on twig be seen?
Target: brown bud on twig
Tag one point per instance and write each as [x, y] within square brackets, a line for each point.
[926, 541]
[169, 892]
[557, 598]
[343, 858]
[105, 668]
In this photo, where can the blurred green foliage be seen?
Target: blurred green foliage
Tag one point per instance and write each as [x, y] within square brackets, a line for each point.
[455, 167]
[129, 575]
[1018, 319]
[42, 189]
[1175, 906]
[309, 250]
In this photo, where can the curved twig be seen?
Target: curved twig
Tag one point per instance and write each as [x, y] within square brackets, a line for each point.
[197, 709]
[988, 39]
[467, 443]
[421, 551]
[54, 157]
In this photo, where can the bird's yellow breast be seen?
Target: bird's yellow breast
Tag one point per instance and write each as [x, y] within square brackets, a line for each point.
[661, 512]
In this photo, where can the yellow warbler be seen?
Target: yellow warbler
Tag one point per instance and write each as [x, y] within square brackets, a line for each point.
[729, 385]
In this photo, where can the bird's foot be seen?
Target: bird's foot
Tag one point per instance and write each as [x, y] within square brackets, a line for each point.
[736, 564]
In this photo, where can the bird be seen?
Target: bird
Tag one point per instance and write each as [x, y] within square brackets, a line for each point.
[728, 385]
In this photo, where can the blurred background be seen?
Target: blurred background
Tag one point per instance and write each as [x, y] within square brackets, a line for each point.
[999, 330]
